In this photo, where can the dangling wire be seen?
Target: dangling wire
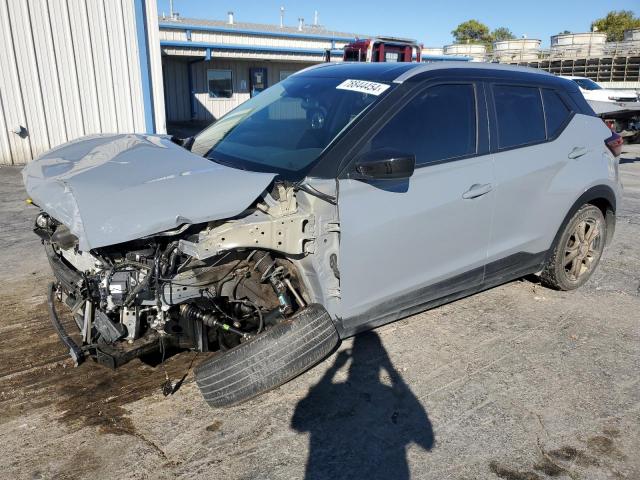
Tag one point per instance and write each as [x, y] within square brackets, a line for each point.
[167, 386]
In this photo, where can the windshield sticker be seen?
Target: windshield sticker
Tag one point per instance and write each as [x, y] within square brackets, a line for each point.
[362, 86]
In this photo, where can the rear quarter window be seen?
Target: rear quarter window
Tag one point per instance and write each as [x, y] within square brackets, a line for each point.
[556, 112]
[519, 114]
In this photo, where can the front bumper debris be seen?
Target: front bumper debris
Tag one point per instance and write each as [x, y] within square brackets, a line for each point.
[75, 351]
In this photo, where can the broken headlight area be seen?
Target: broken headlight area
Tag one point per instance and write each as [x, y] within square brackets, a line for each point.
[50, 230]
[148, 296]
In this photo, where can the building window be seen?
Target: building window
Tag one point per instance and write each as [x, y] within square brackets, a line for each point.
[286, 73]
[220, 83]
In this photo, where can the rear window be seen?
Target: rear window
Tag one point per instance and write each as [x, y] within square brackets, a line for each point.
[439, 124]
[555, 111]
[520, 115]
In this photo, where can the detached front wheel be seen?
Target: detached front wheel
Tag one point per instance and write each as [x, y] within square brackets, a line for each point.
[578, 250]
[268, 360]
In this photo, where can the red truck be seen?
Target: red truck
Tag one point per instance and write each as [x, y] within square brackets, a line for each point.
[382, 49]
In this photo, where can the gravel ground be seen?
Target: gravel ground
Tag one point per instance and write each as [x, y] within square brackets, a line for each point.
[519, 383]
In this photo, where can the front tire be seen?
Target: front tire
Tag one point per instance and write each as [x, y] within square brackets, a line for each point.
[268, 360]
[578, 251]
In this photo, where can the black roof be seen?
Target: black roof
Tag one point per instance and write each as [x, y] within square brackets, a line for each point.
[375, 72]
[418, 72]
[408, 72]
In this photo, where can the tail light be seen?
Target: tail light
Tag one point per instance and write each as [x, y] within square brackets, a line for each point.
[614, 143]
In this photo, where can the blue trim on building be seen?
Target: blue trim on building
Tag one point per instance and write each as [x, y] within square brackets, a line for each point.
[245, 48]
[262, 33]
[145, 67]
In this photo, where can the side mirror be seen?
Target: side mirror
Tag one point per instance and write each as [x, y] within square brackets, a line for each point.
[384, 165]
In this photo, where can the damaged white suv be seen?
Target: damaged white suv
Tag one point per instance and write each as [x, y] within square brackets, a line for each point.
[342, 198]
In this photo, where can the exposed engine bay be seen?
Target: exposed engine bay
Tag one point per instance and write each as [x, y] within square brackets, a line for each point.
[202, 287]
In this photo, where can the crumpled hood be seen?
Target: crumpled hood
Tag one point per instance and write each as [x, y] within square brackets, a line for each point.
[111, 189]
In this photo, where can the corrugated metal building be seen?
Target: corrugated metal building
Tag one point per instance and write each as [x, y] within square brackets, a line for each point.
[70, 68]
[210, 66]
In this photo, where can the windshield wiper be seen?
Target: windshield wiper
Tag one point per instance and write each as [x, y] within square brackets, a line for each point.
[315, 192]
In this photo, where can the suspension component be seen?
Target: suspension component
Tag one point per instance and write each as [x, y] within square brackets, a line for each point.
[193, 312]
[266, 266]
[295, 294]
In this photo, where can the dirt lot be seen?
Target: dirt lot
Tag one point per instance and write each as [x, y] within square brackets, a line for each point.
[519, 383]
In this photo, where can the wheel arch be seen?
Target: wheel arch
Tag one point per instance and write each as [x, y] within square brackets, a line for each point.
[608, 209]
[601, 196]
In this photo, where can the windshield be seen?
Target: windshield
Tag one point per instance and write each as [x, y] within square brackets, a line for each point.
[285, 128]
[587, 84]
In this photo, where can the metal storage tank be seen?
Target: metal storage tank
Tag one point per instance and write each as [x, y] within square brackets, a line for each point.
[632, 35]
[590, 44]
[523, 49]
[71, 68]
[476, 51]
[433, 51]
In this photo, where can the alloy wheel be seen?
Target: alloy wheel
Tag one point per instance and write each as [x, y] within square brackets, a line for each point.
[582, 249]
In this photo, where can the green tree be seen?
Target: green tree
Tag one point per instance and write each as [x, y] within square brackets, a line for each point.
[471, 31]
[502, 33]
[615, 23]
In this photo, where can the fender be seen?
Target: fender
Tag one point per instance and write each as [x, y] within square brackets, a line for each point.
[605, 199]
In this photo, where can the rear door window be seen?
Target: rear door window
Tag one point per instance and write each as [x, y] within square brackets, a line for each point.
[438, 124]
[520, 115]
[556, 112]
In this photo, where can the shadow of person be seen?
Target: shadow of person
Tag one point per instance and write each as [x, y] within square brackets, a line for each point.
[360, 428]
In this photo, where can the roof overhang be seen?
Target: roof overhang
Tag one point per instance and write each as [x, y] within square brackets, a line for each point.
[208, 50]
[261, 33]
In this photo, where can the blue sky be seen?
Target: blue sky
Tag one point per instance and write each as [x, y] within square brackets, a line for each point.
[429, 22]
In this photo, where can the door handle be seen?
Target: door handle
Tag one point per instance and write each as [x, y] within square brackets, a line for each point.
[578, 152]
[477, 190]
